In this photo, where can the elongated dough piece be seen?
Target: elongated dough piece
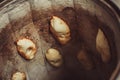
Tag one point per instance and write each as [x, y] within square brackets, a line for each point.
[60, 30]
[26, 48]
[102, 46]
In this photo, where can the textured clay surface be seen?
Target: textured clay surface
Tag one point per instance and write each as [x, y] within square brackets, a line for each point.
[83, 27]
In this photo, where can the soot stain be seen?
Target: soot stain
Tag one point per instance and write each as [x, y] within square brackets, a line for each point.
[84, 28]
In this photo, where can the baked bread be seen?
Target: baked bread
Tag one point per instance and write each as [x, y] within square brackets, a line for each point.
[54, 57]
[19, 76]
[60, 30]
[26, 48]
[102, 46]
[85, 60]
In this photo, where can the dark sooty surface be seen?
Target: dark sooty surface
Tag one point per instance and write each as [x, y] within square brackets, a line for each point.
[84, 29]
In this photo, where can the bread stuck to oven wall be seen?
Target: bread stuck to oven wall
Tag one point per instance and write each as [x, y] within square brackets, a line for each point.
[54, 57]
[60, 30]
[19, 76]
[102, 46]
[85, 60]
[26, 48]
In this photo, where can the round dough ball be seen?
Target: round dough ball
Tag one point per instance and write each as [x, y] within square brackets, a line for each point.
[54, 57]
[19, 76]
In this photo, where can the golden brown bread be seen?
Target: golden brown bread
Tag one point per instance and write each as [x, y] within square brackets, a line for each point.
[60, 30]
[54, 57]
[26, 48]
[19, 76]
[102, 46]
